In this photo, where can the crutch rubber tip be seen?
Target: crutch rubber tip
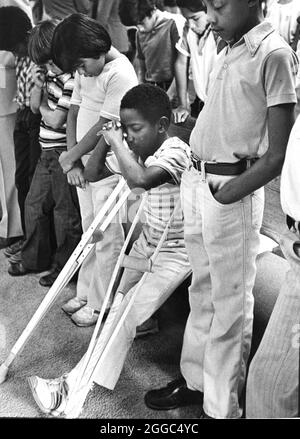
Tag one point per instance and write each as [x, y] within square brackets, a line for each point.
[3, 373]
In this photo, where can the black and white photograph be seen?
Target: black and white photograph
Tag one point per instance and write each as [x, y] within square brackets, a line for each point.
[149, 214]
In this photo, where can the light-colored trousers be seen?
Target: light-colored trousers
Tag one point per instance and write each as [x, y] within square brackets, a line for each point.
[222, 242]
[10, 222]
[273, 381]
[96, 270]
[170, 269]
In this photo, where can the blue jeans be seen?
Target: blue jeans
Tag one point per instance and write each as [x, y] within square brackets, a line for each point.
[27, 153]
[52, 217]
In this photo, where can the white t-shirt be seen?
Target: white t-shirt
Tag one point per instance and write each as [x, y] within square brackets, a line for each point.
[290, 176]
[101, 96]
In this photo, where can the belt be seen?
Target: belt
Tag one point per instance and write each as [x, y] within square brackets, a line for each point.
[222, 168]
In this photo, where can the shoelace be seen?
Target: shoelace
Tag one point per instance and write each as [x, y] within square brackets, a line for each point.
[57, 394]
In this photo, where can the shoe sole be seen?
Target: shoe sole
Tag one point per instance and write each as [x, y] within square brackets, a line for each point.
[31, 382]
[83, 325]
[19, 273]
[69, 313]
[155, 407]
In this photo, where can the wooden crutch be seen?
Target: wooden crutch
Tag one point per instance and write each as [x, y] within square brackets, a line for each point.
[84, 247]
[84, 381]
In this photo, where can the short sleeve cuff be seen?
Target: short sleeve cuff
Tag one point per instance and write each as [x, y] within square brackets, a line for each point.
[109, 115]
[75, 101]
[288, 98]
[182, 50]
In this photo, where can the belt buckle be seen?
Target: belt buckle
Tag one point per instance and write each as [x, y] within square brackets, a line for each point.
[195, 162]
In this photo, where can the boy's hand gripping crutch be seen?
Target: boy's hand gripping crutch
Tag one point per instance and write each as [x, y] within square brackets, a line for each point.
[84, 381]
[84, 247]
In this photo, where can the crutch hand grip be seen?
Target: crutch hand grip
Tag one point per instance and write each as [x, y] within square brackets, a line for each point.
[143, 265]
[97, 236]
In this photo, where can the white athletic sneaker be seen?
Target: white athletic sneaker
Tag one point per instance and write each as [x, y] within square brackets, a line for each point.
[86, 316]
[50, 395]
[73, 305]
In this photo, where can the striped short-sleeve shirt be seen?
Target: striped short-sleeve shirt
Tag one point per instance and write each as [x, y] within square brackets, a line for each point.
[59, 89]
[174, 157]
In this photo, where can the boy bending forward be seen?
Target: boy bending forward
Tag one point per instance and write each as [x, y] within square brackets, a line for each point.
[154, 163]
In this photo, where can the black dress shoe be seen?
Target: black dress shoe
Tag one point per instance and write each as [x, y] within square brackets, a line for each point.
[49, 279]
[18, 269]
[5, 242]
[175, 394]
[205, 416]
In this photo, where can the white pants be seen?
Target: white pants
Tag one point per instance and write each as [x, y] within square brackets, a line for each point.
[96, 270]
[10, 219]
[169, 271]
[222, 242]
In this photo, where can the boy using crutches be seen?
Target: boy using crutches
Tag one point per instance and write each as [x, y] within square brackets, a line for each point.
[154, 163]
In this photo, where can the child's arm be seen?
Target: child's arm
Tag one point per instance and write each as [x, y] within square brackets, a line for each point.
[54, 118]
[134, 173]
[95, 168]
[72, 126]
[36, 99]
[36, 94]
[141, 73]
[86, 144]
[181, 76]
[280, 122]
[75, 175]
[141, 64]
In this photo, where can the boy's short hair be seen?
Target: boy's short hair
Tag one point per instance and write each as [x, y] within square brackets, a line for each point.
[78, 36]
[132, 12]
[39, 44]
[15, 26]
[192, 5]
[149, 100]
[145, 9]
[171, 3]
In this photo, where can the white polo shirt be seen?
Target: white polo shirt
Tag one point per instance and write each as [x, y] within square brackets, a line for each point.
[257, 72]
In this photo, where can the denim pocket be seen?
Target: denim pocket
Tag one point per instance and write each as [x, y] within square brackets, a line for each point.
[217, 203]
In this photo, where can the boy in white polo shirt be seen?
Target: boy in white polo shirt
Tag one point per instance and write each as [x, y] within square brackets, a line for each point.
[248, 115]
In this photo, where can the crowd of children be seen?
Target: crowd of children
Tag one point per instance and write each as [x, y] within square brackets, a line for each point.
[88, 117]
